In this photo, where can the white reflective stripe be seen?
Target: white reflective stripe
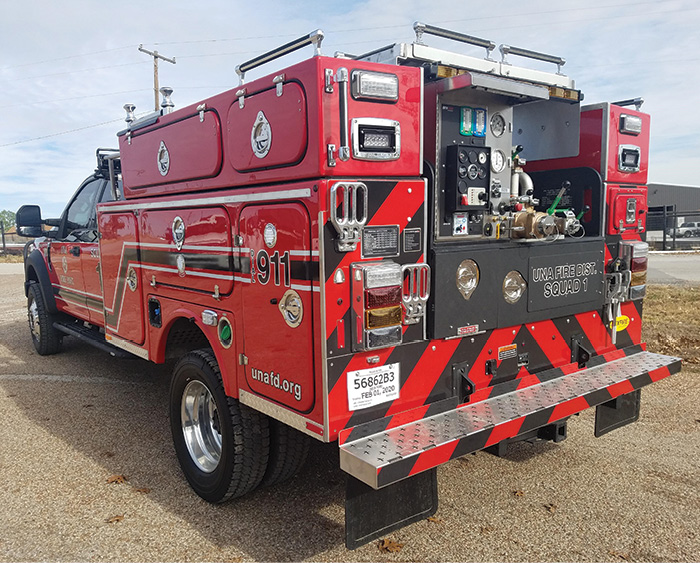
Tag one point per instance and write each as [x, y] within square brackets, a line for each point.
[187, 272]
[243, 250]
[184, 247]
[240, 279]
[302, 253]
[299, 287]
[241, 198]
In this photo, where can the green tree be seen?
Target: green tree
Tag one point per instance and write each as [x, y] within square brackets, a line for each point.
[8, 218]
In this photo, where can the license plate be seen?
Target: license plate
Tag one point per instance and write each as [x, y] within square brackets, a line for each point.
[373, 386]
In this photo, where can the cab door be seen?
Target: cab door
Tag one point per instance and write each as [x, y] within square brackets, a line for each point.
[277, 316]
[77, 234]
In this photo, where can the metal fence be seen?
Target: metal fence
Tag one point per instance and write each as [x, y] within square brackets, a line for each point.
[667, 221]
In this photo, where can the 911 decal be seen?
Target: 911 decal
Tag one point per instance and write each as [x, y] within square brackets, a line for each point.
[373, 386]
[267, 266]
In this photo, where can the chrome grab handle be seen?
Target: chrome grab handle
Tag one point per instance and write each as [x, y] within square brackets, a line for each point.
[314, 38]
[421, 28]
[508, 50]
[353, 215]
[636, 102]
[416, 290]
[343, 81]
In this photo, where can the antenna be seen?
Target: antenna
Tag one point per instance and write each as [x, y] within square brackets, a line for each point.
[155, 56]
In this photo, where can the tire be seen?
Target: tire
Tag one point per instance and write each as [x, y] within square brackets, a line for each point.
[289, 449]
[46, 339]
[688, 234]
[222, 445]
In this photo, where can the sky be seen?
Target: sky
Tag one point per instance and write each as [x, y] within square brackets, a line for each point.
[67, 68]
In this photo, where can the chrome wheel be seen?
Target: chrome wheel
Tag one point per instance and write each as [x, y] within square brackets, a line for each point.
[34, 324]
[200, 426]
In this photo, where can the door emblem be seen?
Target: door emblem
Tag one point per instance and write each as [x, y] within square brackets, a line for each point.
[178, 229]
[131, 278]
[180, 261]
[163, 159]
[64, 265]
[261, 136]
[270, 235]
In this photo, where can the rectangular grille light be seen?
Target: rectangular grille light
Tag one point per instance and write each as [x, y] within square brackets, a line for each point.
[374, 86]
[630, 124]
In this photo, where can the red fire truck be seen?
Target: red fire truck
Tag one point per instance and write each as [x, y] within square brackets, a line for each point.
[417, 253]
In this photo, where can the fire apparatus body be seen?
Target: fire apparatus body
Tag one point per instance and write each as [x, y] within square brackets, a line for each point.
[351, 249]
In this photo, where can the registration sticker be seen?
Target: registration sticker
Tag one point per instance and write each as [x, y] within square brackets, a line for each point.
[373, 386]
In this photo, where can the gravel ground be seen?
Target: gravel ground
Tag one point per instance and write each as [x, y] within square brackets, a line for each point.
[72, 421]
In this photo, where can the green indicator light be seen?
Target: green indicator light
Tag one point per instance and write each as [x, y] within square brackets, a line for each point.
[225, 332]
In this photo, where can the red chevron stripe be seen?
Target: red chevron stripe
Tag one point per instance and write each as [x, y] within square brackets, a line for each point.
[621, 388]
[659, 373]
[505, 430]
[433, 457]
[550, 340]
[595, 331]
[568, 408]
[426, 373]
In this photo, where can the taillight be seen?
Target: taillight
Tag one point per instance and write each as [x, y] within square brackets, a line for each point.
[376, 299]
[636, 255]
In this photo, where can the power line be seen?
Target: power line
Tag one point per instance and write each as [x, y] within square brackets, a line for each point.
[67, 57]
[74, 98]
[75, 71]
[61, 133]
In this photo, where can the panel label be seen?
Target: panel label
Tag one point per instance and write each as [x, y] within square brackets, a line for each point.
[412, 240]
[373, 386]
[560, 280]
[505, 352]
[380, 241]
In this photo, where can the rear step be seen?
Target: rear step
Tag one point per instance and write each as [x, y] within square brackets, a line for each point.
[386, 457]
[92, 337]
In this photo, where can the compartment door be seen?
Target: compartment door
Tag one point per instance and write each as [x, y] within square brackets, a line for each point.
[121, 276]
[277, 297]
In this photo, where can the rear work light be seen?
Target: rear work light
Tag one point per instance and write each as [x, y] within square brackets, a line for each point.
[630, 124]
[374, 86]
[636, 256]
[374, 138]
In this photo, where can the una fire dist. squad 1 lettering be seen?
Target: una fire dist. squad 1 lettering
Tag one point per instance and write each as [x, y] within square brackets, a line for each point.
[564, 279]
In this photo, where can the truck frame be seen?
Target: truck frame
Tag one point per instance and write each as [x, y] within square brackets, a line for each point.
[416, 253]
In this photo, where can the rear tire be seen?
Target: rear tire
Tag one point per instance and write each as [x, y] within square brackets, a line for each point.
[688, 234]
[289, 449]
[46, 339]
[222, 445]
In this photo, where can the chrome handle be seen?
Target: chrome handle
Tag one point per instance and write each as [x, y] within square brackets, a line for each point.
[421, 28]
[341, 78]
[508, 50]
[314, 38]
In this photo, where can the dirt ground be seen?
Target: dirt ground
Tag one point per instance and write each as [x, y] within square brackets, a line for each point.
[72, 423]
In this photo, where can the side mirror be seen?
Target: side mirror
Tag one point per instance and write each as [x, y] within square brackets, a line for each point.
[28, 221]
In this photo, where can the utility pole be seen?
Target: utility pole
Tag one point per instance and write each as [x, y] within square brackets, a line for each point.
[155, 56]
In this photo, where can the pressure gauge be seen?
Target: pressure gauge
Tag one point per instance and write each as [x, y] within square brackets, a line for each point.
[482, 172]
[498, 161]
[482, 157]
[498, 124]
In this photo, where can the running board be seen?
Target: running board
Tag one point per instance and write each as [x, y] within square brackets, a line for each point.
[386, 457]
[90, 336]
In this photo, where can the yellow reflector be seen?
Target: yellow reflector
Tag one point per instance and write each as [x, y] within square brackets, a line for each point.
[378, 318]
[639, 278]
[564, 93]
[448, 71]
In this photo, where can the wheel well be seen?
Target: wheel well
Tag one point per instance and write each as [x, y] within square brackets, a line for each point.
[183, 337]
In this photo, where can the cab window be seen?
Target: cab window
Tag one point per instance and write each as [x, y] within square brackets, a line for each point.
[80, 215]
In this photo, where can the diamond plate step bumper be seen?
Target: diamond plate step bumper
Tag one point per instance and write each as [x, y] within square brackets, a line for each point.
[389, 456]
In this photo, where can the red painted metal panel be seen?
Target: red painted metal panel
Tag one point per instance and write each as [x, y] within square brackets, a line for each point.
[618, 198]
[193, 152]
[280, 362]
[119, 259]
[285, 135]
[203, 262]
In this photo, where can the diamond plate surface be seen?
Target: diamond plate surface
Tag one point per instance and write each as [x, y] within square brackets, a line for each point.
[384, 448]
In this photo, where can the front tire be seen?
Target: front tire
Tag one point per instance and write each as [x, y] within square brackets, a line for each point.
[46, 339]
[222, 445]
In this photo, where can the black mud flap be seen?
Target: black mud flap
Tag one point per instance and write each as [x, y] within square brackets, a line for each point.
[619, 412]
[371, 513]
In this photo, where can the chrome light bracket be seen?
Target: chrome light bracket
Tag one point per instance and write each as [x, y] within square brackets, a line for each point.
[351, 217]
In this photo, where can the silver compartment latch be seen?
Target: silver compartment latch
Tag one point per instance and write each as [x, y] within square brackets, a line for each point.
[240, 94]
[201, 108]
[279, 82]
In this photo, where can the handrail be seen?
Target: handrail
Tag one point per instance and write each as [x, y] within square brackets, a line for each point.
[314, 38]
[507, 49]
[421, 28]
[636, 102]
